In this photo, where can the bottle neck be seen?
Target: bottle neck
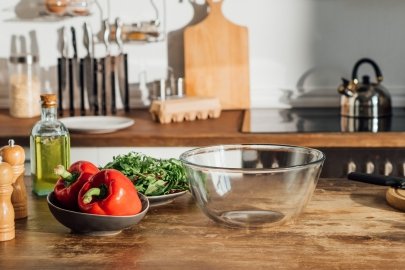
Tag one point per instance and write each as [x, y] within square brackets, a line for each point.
[48, 114]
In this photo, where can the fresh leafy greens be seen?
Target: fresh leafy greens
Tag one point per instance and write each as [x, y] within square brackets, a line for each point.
[151, 176]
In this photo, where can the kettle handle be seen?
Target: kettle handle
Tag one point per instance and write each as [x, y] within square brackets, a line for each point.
[377, 70]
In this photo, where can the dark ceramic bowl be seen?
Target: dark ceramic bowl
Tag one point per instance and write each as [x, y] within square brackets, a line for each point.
[95, 224]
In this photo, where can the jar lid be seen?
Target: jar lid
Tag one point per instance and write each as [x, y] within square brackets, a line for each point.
[24, 59]
[48, 100]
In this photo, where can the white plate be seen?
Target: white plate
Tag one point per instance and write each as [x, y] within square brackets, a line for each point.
[164, 199]
[96, 124]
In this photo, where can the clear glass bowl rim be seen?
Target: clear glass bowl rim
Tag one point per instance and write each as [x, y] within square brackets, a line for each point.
[213, 148]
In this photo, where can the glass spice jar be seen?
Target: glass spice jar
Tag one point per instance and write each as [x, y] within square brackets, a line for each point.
[25, 86]
[79, 7]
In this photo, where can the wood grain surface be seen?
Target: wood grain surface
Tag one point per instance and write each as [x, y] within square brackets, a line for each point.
[222, 130]
[216, 56]
[347, 225]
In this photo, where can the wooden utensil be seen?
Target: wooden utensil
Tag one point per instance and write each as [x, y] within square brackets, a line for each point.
[7, 227]
[396, 198]
[14, 155]
[216, 59]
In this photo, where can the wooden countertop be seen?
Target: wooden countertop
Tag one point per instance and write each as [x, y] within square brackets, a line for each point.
[347, 225]
[224, 130]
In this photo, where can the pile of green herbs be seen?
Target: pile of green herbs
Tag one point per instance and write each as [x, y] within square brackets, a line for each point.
[151, 176]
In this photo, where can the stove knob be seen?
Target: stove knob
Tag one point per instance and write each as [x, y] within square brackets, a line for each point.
[369, 167]
[388, 168]
[275, 164]
[351, 167]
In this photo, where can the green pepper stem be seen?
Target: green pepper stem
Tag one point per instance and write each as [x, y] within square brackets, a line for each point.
[62, 172]
[88, 196]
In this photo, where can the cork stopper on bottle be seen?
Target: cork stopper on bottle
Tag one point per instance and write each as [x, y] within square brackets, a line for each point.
[12, 154]
[48, 100]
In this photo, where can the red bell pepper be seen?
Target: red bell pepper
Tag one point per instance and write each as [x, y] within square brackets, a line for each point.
[71, 181]
[109, 192]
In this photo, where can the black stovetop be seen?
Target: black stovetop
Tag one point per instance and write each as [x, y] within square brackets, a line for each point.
[317, 120]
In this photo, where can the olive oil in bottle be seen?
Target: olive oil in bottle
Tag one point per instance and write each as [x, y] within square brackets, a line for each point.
[49, 147]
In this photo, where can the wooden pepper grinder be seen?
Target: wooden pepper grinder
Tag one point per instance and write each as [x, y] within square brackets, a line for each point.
[7, 229]
[15, 156]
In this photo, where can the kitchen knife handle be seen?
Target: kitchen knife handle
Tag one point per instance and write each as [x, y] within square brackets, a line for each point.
[71, 88]
[60, 86]
[81, 82]
[126, 93]
[103, 87]
[95, 87]
[380, 180]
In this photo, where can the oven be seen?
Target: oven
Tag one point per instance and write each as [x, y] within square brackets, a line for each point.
[339, 161]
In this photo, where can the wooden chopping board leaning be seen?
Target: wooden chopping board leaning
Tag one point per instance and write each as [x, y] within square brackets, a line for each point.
[217, 59]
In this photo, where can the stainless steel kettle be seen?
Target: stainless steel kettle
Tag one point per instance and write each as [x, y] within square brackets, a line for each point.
[364, 99]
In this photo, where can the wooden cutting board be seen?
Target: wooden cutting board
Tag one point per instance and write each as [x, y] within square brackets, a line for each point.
[396, 198]
[217, 59]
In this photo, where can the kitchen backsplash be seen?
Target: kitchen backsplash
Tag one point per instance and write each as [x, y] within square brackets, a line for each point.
[299, 49]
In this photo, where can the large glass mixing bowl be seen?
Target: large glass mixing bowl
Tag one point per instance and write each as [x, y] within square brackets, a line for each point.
[253, 185]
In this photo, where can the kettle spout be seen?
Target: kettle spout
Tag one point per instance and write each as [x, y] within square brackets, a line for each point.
[346, 88]
[345, 82]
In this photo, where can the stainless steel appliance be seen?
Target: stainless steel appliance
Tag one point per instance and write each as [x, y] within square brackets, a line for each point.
[364, 99]
[339, 161]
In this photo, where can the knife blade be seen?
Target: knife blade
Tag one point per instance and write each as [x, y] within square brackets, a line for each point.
[106, 69]
[380, 180]
[75, 71]
[88, 65]
[63, 70]
[121, 63]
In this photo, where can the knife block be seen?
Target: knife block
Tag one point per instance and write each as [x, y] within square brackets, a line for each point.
[94, 86]
[185, 109]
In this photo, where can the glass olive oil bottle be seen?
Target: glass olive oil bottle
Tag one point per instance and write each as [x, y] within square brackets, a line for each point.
[49, 147]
